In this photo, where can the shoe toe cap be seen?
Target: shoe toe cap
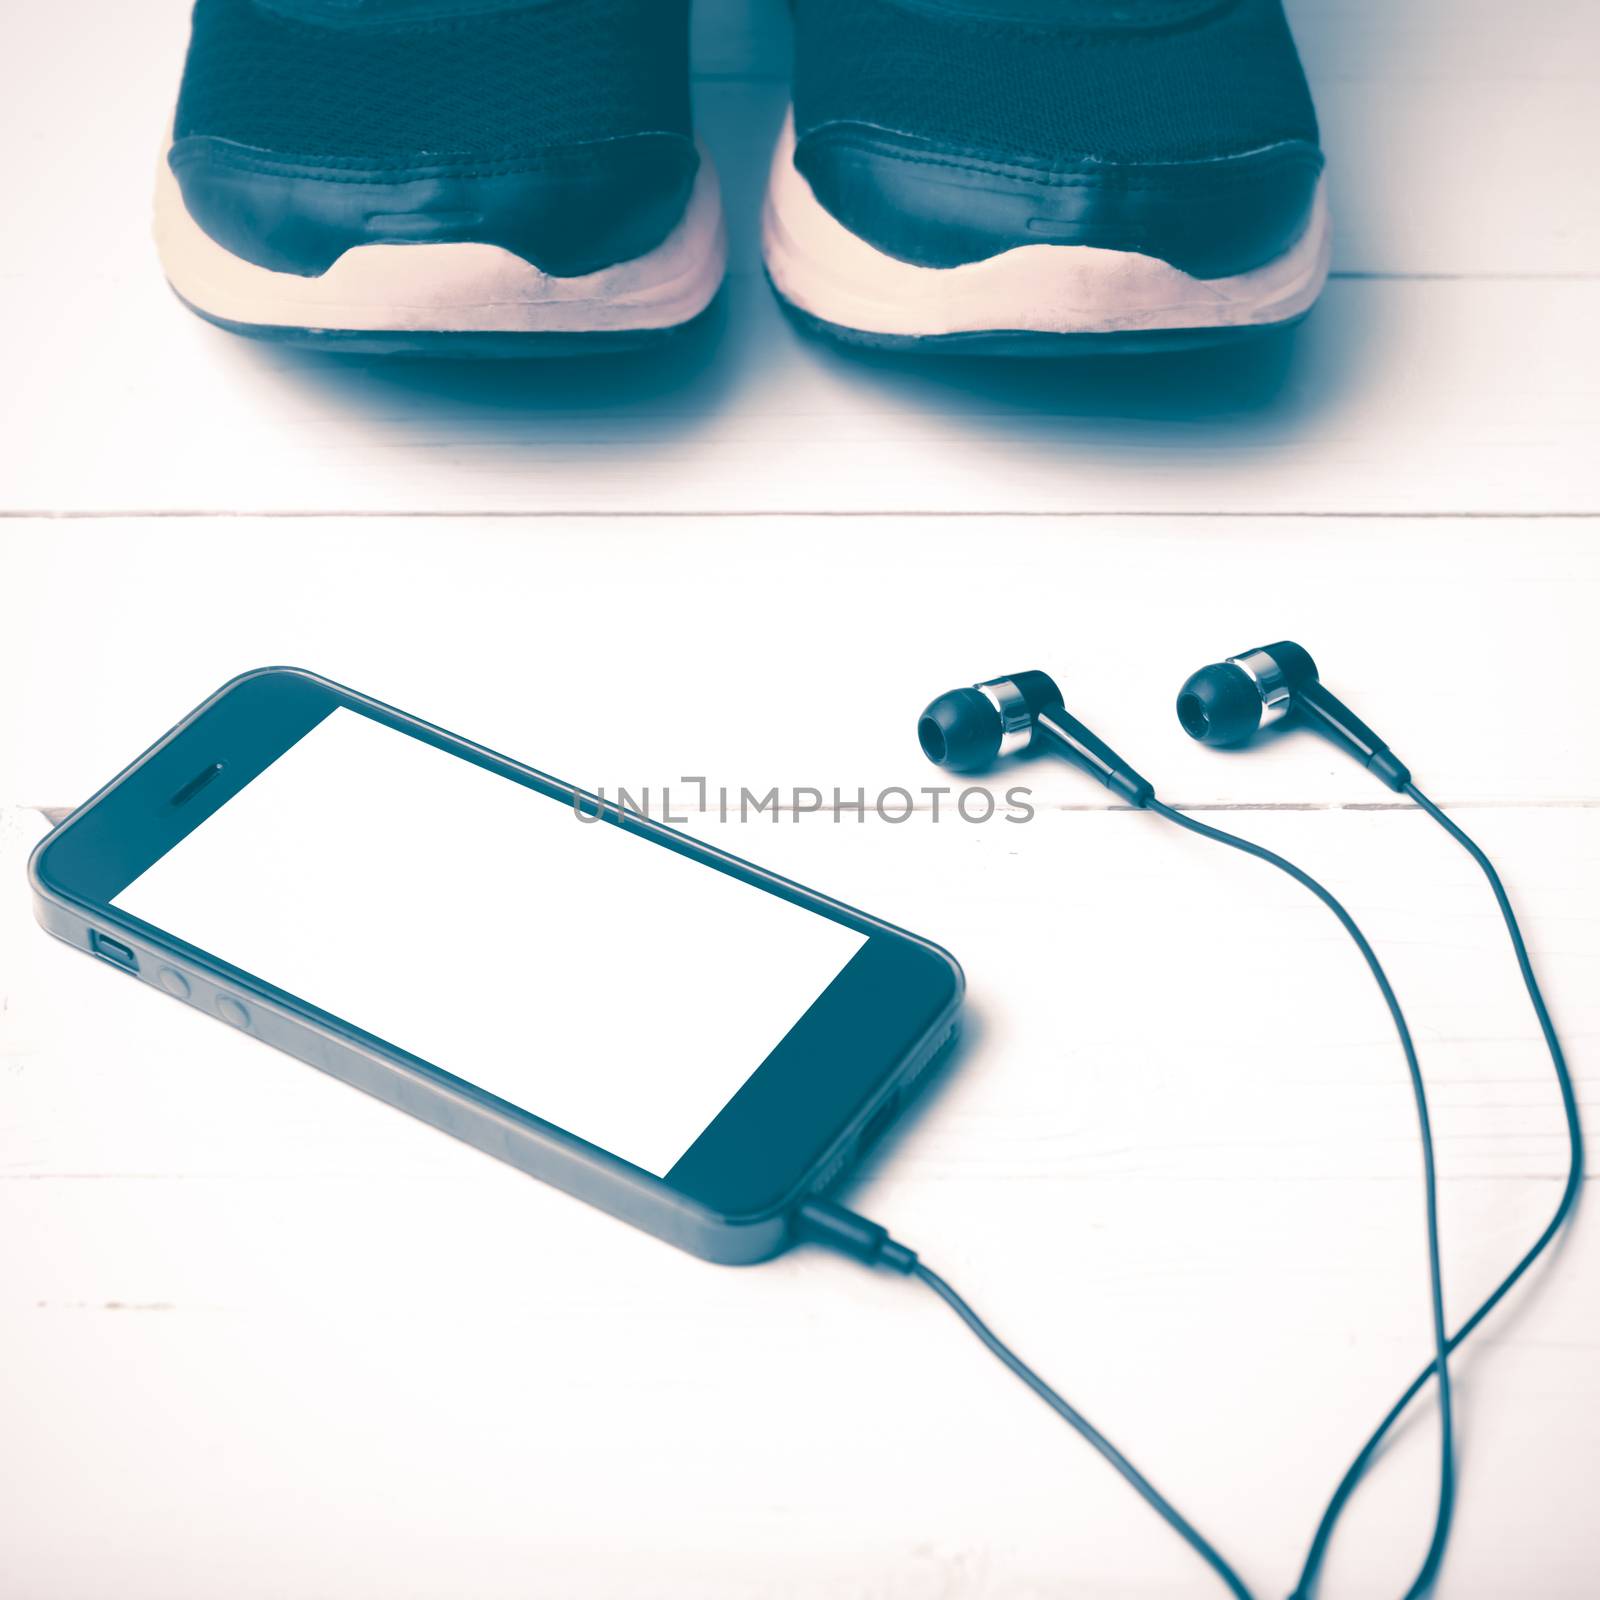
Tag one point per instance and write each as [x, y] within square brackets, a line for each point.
[569, 210]
[942, 206]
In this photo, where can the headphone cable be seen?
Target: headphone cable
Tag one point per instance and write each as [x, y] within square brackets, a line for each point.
[824, 1222]
[1564, 1207]
[1440, 1365]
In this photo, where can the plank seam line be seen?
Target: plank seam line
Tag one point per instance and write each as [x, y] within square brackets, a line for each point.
[575, 513]
[1353, 275]
[54, 814]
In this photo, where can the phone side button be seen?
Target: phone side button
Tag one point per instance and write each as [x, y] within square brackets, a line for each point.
[173, 982]
[231, 1010]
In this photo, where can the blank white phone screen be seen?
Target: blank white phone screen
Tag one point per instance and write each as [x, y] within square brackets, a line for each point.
[608, 985]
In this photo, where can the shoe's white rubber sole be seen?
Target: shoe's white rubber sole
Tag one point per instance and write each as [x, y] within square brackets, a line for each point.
[836, 279]
[448, 289]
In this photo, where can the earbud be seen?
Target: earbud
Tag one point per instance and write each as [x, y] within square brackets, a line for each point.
[1226, 704]
[969, 729]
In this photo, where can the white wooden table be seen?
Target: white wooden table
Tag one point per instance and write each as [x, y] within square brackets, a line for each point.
[261, 1337]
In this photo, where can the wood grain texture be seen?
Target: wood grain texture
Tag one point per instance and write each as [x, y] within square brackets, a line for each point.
[761, 651]
[262, 1337]
[1210, 1233]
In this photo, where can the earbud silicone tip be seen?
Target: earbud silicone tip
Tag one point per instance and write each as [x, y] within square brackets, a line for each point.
[960, 730]
[1220, 705]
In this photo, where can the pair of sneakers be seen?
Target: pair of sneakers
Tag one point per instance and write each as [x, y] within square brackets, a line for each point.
[521, 176]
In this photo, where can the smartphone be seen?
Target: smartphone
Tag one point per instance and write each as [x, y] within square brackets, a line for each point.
[667, 1032]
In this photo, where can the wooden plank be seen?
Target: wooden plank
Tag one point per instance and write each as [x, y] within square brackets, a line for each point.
[1465, 397]
[245, 1307]
[798, 651]
[1141, 906]
[745, 39]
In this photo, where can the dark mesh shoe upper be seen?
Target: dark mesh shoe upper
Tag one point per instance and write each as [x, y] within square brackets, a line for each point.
[558, 128]
[947, 130]
[473, 87]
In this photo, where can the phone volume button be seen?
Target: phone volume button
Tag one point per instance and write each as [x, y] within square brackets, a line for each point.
[231, 1010]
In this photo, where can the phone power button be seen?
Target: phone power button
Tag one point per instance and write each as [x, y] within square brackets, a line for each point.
[231, 1010]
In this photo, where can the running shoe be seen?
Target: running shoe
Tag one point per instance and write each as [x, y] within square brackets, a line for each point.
[1046, 176]
[461, 176]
